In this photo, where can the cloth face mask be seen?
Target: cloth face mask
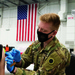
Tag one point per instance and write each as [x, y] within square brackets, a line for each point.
[42, 37]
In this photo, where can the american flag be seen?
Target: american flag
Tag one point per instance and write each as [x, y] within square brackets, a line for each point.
[26, 22]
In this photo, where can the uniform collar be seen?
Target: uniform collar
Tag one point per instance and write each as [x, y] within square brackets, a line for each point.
[51, 44]
[48, 47]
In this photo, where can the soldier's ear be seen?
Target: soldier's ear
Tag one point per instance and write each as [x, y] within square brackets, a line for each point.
[55, 32]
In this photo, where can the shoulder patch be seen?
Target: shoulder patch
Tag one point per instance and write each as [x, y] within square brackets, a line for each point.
[27, 51]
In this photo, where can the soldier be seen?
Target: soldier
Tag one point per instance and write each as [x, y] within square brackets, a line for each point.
[49, 56]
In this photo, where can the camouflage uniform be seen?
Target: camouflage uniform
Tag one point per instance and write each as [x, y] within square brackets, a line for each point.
[50, 60]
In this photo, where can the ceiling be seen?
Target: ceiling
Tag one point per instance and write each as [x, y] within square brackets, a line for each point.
[11, 3]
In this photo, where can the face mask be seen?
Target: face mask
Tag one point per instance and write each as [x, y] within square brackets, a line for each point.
[42, 37]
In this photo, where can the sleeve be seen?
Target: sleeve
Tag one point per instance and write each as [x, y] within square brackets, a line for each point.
[53, 65]
[68, 56]
[21, 71]
[26, 57]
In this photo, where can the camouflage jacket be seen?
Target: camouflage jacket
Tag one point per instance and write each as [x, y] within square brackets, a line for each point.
[50, 60]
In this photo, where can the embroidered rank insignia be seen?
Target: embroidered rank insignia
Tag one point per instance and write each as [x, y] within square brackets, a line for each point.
[51, 61]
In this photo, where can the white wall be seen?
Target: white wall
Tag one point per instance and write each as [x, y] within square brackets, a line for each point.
[62, 33]
[8, 30]
[9, 23]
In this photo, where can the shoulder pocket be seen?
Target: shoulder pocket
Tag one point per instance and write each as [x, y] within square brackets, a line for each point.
[53, 60]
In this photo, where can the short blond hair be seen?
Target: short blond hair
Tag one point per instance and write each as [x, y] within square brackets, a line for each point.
[51, 17]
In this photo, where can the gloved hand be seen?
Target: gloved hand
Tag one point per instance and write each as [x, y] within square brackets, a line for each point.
[9, 55]
[9, 62]
[15, 54]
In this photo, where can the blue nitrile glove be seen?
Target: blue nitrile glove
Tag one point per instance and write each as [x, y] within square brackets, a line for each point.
[9, 62]
[8, 55]
[15, 53]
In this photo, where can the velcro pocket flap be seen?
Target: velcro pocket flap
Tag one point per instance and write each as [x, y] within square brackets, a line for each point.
[53, 60]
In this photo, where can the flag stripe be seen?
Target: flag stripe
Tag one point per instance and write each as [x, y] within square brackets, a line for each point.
[26, 26]
[28, 22]
[18, 28]
[20, 32]
[35, 20]
[17, 32]
[23, 30]
[32, 23]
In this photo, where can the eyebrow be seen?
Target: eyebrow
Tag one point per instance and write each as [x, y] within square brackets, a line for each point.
[43, 29]
[0, 52]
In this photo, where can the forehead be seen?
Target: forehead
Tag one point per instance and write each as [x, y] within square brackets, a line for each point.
[44, 25]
